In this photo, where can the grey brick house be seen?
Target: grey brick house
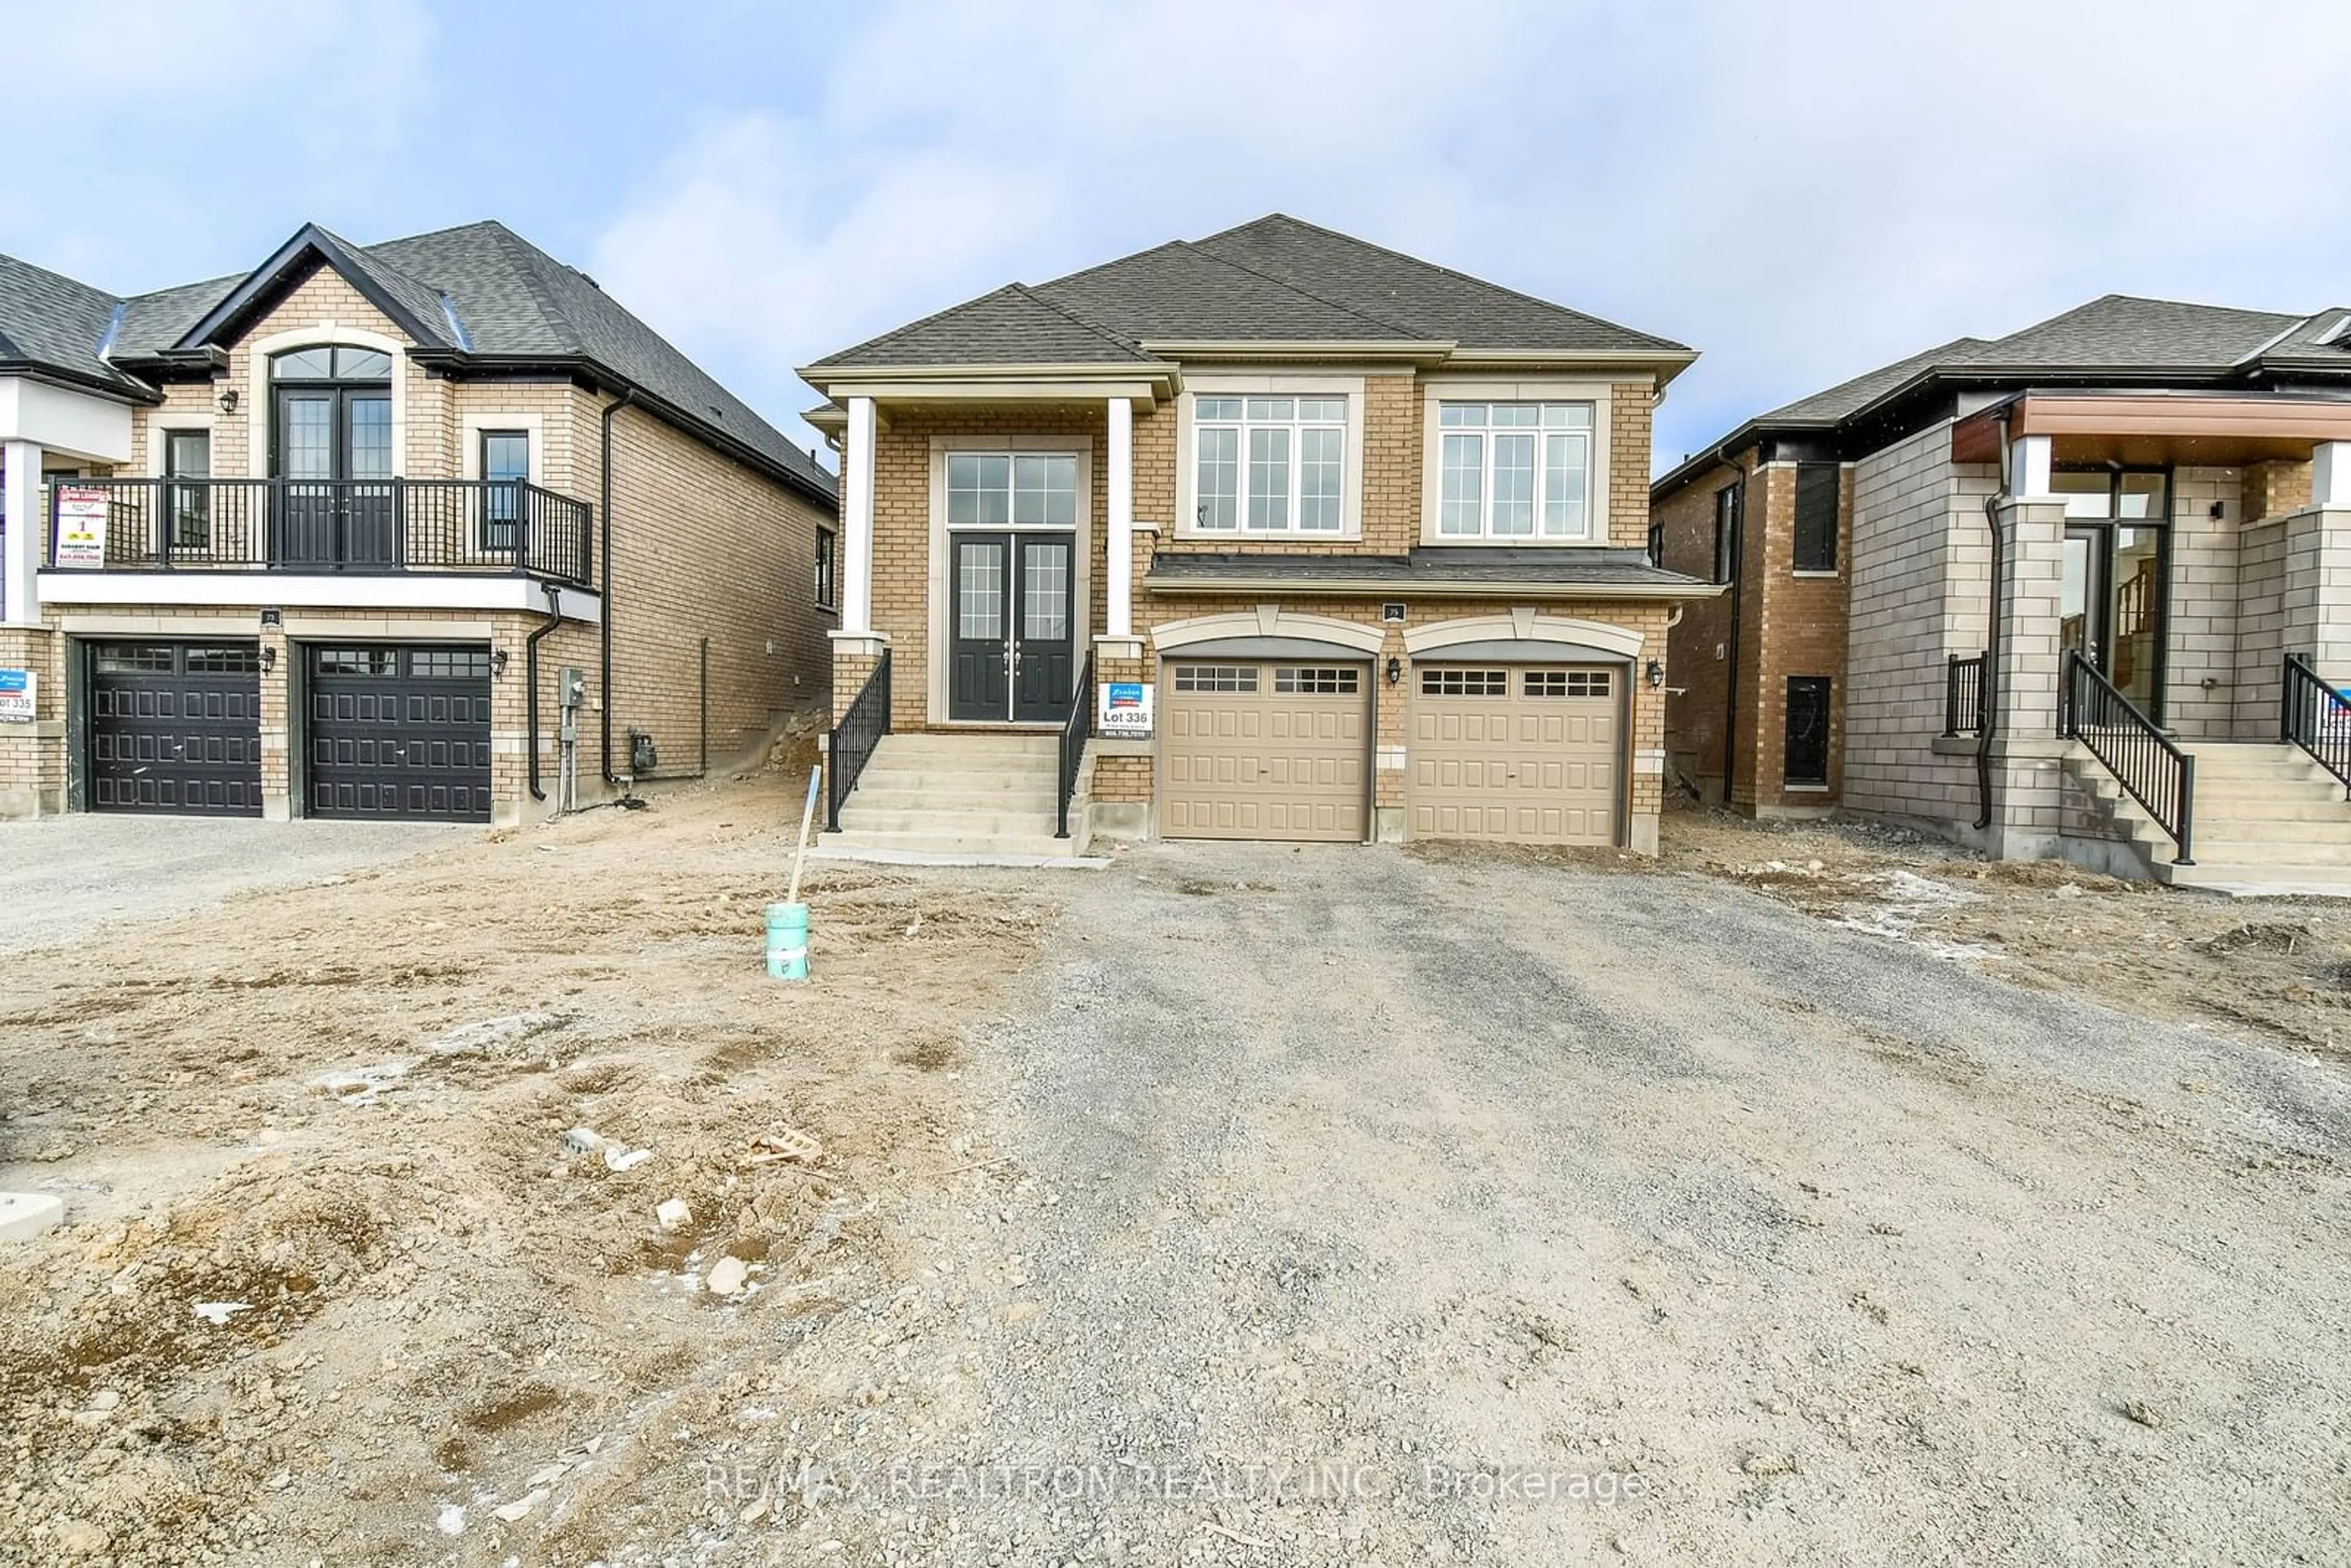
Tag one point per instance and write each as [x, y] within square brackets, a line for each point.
[2080, 590]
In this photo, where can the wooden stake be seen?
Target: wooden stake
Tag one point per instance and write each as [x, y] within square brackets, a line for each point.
[799, 845]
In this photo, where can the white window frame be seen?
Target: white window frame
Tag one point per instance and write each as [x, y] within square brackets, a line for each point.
[1213, 384]
[1438, 391]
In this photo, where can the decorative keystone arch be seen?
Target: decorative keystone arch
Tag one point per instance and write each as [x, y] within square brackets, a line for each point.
[1268, 620]
[1522, 625]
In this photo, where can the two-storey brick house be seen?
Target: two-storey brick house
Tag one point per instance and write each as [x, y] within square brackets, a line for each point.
[320, 540]
[2082, 591]
[1271, 535]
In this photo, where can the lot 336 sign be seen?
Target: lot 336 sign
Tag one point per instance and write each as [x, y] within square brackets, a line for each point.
[1125, 710]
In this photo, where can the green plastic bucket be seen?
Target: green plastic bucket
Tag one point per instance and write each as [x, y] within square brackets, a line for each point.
[788, 941]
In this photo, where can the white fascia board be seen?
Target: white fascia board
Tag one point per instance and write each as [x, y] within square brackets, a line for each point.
[290, 590]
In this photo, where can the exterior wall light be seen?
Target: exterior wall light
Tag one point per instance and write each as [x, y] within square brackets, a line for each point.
[229, 399]
[1656, 672]
[268, 657]
[498, 662]
[1395, 670]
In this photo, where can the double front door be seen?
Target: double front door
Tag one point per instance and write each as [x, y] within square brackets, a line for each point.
[1012, 637]
[334, 450]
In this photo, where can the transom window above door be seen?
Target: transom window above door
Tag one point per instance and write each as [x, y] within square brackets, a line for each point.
[1515, 470]
[1270, 465]
[1015, 489]
[342, 364]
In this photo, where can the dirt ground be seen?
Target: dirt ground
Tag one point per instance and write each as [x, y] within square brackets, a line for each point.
[342, 1110]
[1855, 1252]
[2279, 967]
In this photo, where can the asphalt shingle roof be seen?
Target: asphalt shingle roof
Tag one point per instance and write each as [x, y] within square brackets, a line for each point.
[510, 299]
[1421, 564]
[1273, 280]
[47, 319]
[2131, 338]
[1010, 325]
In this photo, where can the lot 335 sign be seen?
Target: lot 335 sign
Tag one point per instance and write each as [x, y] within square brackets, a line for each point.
[18, 692]
[1125, 710]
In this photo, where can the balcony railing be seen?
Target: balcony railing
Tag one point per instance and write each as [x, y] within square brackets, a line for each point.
[357, 526]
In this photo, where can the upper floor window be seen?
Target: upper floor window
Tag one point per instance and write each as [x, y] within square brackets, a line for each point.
[188, 455]
[326, 364]
[1270, 464]
[1725, 532]
[1816, 516]
[506, 459]
[1515, 470]
[825, 549]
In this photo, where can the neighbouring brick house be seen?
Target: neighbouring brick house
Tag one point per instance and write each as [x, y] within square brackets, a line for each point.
[296, 542]
[2141, 510]
[1285, 534]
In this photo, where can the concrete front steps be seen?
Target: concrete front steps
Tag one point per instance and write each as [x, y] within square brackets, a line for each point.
[946, 797]
[2268, 819]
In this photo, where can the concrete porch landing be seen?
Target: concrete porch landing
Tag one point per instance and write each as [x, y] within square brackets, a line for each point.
[2269, 822]
[943, 798]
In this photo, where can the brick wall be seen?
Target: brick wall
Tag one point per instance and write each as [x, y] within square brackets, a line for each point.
[1699, 660]
[33, 756]
[704, 546]
[2272, 489]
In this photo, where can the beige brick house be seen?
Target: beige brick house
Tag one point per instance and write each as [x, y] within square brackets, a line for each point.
[2138, 510]
[1271, 535]
[322, 539]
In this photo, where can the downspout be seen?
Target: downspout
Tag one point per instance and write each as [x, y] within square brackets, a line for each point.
[530, 675]
[1987, 682]
[604, 676]
[1730, 668]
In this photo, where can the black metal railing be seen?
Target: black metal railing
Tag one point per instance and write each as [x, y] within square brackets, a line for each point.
[863, 724]
[1076, 730]
[327, 525]
[2314, 715]
[2144, 760]
[1963, 695]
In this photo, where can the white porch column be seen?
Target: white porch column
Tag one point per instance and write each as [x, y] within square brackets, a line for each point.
[857, 562]
[2330, 474]
[1120, 519]
[2028, 466]
[27, 531]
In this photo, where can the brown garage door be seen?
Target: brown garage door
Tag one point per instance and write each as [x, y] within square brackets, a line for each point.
[1523, 754]
[1263, 750]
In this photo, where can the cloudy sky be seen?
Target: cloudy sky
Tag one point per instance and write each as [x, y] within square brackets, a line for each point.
[1801, 191]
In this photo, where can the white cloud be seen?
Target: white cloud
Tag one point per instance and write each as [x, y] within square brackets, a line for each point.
[1802, 192]
[144, 129]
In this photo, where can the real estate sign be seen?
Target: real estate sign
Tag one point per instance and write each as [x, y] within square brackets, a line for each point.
[81, 526]
[1125, 712]
[18, 692]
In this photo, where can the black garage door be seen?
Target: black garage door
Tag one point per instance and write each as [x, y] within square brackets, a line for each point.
[175, 727]
[400, 731]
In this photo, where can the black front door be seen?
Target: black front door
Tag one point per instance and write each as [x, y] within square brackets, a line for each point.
[334, 447]
[1013, 643]
[175, 727]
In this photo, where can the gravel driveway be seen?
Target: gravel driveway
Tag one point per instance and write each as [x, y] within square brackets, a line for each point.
[1339, 1191]
[62, 877]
